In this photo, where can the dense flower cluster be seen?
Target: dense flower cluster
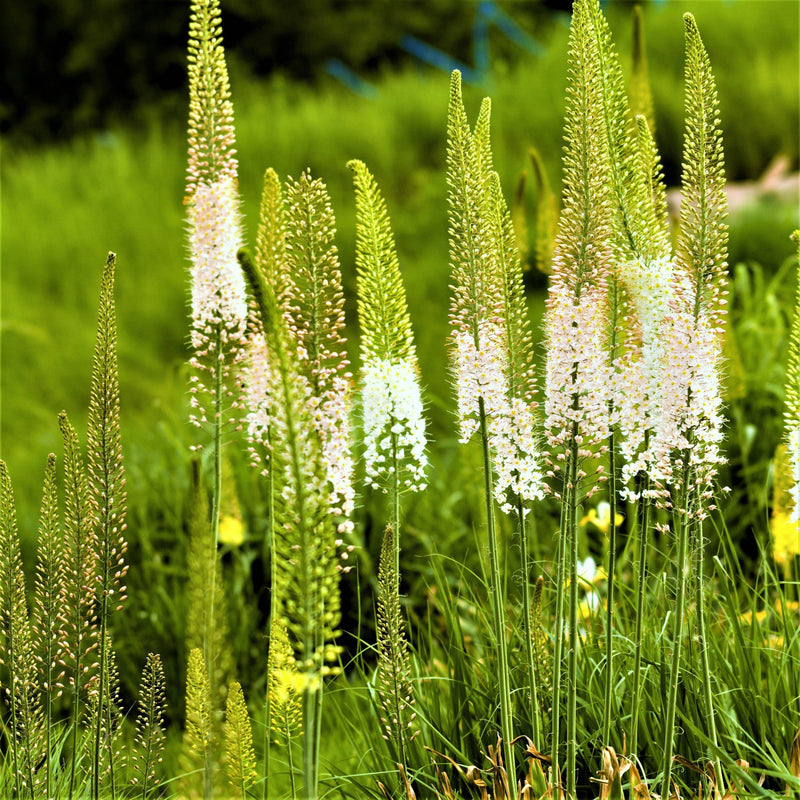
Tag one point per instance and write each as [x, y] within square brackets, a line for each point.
[219, 299]
[257, 386]
[482, 373]
[578, 380]
[331, 415]
[392, 409]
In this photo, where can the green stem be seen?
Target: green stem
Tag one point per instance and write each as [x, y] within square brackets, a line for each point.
[498, 611]
[558, 646]
[401, 736]
[100, 698]
[290, 760]
[612, 556]
[703, 647]
[396, 511]
[572, 665]
[208, 629]
[536, 731]
[273, 609]
[641, 574]
[309, 737]
[682, 523]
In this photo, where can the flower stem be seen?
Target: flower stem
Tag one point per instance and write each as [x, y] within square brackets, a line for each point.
[641, 574]
[273, 598]
[498, 609]
[208, 629]
[572, 653]
[535, 722]
[612, 562]
[703, 647]
[682, 523]
[558, 648]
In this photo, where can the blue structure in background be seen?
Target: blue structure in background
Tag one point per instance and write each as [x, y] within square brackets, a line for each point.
[487, 15]
[339, 70]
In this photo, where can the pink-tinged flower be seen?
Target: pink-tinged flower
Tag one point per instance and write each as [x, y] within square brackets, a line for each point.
[482, 372]
[331, 415]
[219, 299]
[258, 385]
[219, 304]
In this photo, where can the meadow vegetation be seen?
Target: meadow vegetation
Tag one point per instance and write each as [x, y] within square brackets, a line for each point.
[590, 567]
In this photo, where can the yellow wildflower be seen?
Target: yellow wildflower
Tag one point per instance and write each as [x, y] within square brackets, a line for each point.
[600, 517]
[785, 538]
[231, 531]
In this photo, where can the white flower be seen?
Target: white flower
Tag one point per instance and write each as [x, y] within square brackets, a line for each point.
[511, 428]
[794, 460]
[392, 410]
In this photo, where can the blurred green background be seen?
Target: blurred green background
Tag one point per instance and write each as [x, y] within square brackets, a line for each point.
[93, 111]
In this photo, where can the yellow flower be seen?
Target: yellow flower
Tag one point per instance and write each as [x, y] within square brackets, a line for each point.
[785, 538]
[601, 517]
[231, 531]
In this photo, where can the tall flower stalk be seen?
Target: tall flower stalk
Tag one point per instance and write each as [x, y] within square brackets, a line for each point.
[47, 606]
[691, 422]
[394, 425]
[297, 261]
[394, 432]
[578, 370]
[17, 648]
[307, 564]
[78, 629]
[480, 351]
[107, 484]
[219, 303]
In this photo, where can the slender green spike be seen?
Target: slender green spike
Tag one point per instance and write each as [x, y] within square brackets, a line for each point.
[78, 635]
[150, 735]
[270, 253]
[16, 647]
[629, 183]
[47, 605]
[382, 306]
[107, 485]
[394, 664]
[703, 234]
[239, 754]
